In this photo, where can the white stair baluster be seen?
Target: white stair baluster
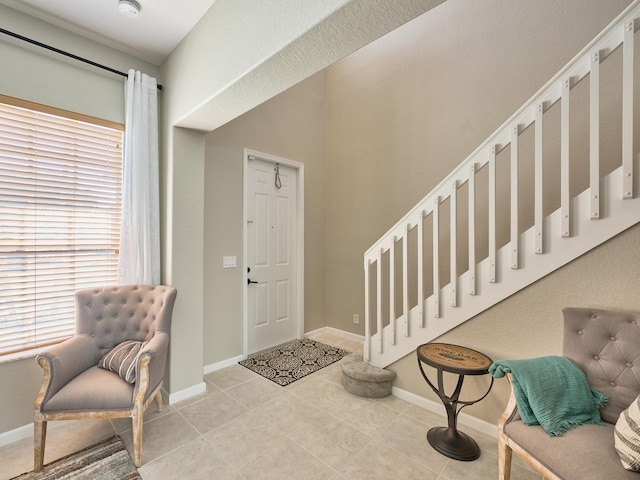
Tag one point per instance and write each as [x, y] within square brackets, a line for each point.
[627, 111]
[379, 300]
[492, 215]
[515, 236]
[538, 188]
[472, 229]
[420, 253]
[453, 232]
[436, 257]
[392, 289]
[565, 199]
[594, 134]
[367, 315]
[405, 279]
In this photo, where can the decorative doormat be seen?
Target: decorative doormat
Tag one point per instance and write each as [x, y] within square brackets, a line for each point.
[107, 460]
[290, 362]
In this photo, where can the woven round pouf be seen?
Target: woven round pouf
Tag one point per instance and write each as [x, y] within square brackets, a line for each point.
[364, 380]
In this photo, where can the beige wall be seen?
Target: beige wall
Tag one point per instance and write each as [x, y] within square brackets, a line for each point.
[292, 126]
[400, 114]
[33, 74]
[405, 110]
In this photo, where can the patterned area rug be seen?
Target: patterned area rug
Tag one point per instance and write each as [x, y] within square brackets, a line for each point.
[290, 362]
[107, 460]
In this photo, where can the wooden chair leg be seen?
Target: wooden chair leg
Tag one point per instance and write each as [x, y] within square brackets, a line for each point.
[39, 439]
[159, 400]
[137, 422]
[504, 459]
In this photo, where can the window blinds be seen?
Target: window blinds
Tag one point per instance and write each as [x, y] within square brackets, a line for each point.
[60, 191]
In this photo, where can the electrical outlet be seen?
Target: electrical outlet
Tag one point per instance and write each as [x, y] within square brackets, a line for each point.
[356, 318]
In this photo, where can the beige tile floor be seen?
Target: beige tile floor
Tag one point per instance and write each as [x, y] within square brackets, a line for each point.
[248, 428]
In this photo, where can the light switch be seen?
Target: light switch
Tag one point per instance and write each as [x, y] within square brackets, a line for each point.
[229, 262]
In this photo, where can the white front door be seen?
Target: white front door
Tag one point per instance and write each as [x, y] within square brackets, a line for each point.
[271, 254]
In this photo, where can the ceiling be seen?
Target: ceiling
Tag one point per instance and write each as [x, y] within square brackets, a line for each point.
[151, 35]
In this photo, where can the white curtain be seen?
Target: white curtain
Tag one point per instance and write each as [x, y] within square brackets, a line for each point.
[140, 231]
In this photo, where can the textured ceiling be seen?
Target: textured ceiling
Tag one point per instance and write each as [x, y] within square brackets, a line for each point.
[151, 35]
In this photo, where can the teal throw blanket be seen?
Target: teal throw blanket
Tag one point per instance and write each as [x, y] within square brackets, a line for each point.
[552, 392]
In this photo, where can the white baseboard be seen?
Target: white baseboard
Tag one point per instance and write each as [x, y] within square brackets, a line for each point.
[223, 364]
[187, 393]
[335, 331]
[16, 434]
[25, 431]
[436, 407]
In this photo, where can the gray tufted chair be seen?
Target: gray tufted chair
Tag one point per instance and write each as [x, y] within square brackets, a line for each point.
[606, 346]
[74, 387]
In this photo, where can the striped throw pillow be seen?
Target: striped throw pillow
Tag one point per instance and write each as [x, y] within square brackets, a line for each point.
[123, 358]
[627, 437]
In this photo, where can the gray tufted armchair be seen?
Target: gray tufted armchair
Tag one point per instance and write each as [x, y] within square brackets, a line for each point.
[74, 387]
[605, 345]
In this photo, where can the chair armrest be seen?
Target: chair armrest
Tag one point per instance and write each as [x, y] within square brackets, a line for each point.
[153, 357]
[65, 361]
[511, 410]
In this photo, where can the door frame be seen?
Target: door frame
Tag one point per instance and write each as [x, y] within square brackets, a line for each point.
[299, 293]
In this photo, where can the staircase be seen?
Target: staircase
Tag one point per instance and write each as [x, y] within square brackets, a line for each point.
[557, 179]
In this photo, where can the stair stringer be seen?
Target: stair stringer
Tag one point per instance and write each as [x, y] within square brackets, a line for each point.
[617, 214]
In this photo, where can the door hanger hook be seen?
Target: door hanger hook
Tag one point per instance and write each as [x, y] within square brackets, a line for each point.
[278, 182]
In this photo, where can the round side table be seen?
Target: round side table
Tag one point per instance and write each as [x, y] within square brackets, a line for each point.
[462, 361]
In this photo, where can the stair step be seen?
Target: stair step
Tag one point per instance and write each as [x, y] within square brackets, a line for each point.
[364, 380]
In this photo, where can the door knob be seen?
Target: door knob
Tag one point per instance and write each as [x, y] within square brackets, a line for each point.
[249, 281]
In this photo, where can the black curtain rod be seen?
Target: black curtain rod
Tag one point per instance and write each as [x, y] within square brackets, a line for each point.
[66, 54]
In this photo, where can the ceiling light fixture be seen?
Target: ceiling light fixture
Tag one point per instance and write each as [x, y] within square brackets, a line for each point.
[128, 8]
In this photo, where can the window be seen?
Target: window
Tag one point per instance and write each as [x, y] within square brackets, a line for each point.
[60, 198]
